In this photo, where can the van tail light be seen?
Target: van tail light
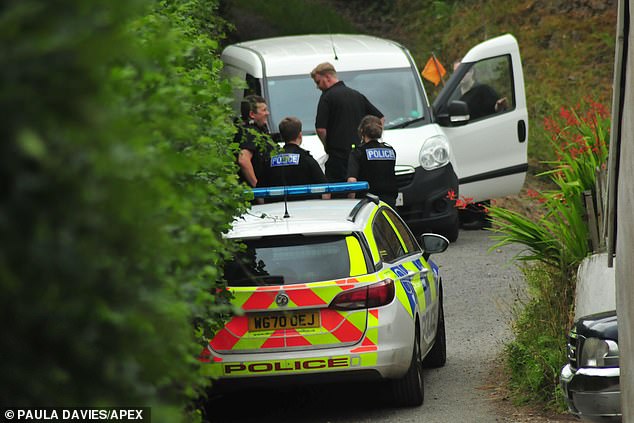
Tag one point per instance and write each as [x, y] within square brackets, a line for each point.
[369, 296]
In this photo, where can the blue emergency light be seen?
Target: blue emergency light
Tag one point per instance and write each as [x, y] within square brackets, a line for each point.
[292, 190]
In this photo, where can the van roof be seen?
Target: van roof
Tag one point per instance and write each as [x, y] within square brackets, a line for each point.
[299, 54]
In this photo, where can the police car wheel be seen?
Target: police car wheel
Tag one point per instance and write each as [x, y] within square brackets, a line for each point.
[409, 391]
[437, 356]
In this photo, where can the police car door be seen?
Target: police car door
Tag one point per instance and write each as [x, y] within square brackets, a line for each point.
[489, 148]
[401, 255]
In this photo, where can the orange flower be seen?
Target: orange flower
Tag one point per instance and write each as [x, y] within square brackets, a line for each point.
[569, 117]
[531, 193]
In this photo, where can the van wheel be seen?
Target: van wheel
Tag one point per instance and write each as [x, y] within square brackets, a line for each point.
[409, 391]
[437, 356]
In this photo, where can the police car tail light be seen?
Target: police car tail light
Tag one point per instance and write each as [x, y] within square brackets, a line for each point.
[435, 152]
[368, 296]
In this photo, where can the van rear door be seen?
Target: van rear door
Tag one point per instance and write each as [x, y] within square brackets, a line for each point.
[490, 148]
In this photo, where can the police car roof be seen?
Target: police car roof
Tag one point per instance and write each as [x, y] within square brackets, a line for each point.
[298, 55]
[308, 217]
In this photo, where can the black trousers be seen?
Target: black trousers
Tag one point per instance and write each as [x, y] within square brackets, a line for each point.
[337, 169]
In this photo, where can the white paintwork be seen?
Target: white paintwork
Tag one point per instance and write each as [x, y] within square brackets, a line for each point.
[243, 59]
[596, 286]
[298, 55]
[309, 217]
[492, 144]
[406, 141]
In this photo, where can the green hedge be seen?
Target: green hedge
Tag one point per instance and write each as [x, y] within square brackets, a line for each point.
[117, 177]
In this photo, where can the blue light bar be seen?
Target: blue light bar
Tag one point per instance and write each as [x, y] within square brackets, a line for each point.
[291, 190]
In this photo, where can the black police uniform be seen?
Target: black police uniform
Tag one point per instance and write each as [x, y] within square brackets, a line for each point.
[340, 109]
[293, 166]
[260, 150]
[374, 162]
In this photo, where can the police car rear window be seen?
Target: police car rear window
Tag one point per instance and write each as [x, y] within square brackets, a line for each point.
[289, 260]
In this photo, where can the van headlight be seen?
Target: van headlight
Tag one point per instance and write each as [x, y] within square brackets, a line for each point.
[434, 153]
[599, 353]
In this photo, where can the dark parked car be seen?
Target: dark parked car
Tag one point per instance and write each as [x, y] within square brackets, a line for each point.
[590, 380]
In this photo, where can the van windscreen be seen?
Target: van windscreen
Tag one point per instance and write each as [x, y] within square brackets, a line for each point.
[395, 92]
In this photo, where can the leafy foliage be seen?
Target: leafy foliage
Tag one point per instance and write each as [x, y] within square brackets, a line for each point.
[560, 237]
[117, 179]
[580, 142]
[555, 244]
[292, 17]
[537, 353]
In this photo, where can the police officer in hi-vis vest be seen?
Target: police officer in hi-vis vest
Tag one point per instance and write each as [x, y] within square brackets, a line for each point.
[373, 161]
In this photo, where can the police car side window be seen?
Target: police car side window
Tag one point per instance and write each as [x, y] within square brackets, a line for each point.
[390, 248]
[408, 239]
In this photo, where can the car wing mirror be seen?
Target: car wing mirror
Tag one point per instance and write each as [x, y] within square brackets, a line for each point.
[433, 244]
[458, 113]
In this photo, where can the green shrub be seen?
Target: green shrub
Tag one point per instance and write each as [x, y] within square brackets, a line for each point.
[293, 17]
[559, 238]
[117, 180]
[538, 351]
[555, 244]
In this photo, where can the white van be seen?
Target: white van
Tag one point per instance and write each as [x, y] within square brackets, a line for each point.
[437, 147]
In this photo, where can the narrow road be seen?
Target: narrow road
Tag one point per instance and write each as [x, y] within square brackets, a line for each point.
[479, 289]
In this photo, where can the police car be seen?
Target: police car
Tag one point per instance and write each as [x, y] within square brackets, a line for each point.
[330, 289]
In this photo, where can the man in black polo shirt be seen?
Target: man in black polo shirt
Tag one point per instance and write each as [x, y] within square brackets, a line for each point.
[294, 165]
[339, 111]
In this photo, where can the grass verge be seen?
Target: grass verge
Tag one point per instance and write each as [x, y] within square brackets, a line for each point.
[534, 358]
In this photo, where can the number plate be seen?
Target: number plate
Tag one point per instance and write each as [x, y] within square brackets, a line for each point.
[296, 320]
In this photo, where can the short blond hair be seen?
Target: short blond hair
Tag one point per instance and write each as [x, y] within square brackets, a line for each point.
[322, 69]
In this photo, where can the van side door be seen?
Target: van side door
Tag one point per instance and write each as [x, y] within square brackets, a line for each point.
[489, 144]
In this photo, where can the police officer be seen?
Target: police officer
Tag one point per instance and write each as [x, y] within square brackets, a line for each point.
[254, 140]
[294, 165]
[373, 161]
